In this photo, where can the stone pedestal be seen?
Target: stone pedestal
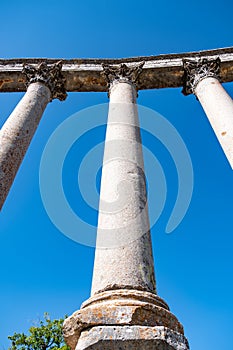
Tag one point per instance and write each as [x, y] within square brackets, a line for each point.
[131, 337]
[124, 319]
[123, 311]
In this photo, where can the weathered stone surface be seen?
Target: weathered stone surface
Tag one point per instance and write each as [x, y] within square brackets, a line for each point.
[122, 307]
[44, 83]
[218, 106]
[195, 71]
[124, 311]
[51, 76]
[131, 338]
[122, 73]
[17, 132]
[123, 238]
[160, 71]
[202, 78]
[126, 297]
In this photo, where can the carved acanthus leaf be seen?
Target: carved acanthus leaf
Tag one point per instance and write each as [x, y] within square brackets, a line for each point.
[122, 72]
[50, 75]
[195, 71]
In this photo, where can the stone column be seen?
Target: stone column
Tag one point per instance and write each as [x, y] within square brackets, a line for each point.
[124, 311]
[202, 79]
[44, 83]
[123, 237]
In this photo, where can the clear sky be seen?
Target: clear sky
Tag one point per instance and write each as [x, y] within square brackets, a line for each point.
[44, 271]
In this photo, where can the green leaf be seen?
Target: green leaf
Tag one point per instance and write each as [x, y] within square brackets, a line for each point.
[46, 336]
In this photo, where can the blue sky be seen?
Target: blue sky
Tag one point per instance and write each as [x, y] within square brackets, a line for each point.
[44, 271]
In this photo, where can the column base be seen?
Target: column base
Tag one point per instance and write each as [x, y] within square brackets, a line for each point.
[131, 338]
[139, 313]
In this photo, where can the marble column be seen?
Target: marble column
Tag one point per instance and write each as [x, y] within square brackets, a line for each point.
[44, 83]
[124, 311]
[202, 78]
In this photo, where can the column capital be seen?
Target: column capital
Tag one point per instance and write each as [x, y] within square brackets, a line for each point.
[122, 73]
[195, 71]
[50, 75]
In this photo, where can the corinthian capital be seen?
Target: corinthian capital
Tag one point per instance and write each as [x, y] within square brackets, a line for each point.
[122, 73]
[51, 76]
[195, 71]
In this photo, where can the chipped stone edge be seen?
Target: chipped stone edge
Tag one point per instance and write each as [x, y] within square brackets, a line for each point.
[126, 334]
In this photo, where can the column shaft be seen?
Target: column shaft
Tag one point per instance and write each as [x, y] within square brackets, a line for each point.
[17, 132]
[218, 107]
[44, 83]
[123, 258]
[202, 79]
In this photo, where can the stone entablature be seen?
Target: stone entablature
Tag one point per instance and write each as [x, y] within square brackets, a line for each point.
[160, 71]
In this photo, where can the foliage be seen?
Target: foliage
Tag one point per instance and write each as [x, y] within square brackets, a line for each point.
[46, 336]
